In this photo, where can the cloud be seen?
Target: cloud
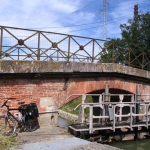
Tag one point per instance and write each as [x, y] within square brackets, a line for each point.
[120, 14]
[43, 14]
[35, 13]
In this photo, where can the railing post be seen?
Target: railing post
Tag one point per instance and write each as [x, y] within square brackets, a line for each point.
[106, 99]
[147, 119]
[129, 57]
[1, 41]
[18, 52]
[81, 111]
[121, 105]
[93, 52]
[143, 60]
[131, 116]
[83, 102]
[38, 52]
[57, 55]
[113, 54]
[114, 121]
[68, 48]
[103, 111]
[91, 120]
[138, 99]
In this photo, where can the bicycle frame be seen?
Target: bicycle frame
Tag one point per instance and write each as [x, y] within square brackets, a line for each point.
[22, 121]
[27, 121]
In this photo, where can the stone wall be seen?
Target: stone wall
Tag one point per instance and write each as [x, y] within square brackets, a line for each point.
[71, 117]
[17, 66]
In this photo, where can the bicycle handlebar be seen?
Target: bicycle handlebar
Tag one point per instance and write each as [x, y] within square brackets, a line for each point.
[4, 104]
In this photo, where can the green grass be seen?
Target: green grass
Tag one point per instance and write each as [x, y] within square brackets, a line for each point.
[6, 142]
[69, 107]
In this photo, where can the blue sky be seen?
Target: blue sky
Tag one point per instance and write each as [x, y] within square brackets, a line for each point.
[78, 17]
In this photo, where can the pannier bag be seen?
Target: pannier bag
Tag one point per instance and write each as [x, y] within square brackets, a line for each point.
[32, 110]
[22, 107]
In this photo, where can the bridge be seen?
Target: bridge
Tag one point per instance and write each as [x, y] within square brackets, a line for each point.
[37, 64]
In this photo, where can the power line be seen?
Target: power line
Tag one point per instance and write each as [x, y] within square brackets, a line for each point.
[73, 12]
[84, 24]
[79, 9]
[104, 1]
[76, 22]
[127, 4]
[98, 25]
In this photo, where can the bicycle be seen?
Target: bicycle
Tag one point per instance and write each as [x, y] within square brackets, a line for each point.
[26, 120]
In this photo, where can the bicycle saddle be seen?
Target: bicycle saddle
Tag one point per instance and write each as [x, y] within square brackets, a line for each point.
[21, 103]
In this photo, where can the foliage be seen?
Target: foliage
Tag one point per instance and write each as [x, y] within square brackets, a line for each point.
[6, 142]
[71, 105]
[134, 47]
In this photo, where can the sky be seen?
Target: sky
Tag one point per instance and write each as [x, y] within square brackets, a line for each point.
[78, 17]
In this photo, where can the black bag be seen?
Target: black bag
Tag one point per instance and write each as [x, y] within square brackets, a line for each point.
[32, 110]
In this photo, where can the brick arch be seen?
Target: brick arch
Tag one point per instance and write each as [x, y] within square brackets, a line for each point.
[84, 86]
[31, 90]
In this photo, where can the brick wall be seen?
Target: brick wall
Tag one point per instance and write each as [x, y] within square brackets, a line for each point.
[32, 89]
[29, 90]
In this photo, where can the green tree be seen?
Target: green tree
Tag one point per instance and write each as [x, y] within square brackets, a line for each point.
[134, 47]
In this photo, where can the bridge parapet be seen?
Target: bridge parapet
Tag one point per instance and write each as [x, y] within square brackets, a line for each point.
[40, 67]
[25, 44]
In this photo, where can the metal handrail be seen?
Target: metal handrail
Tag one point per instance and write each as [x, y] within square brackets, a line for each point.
[130, 115]
[26, 44]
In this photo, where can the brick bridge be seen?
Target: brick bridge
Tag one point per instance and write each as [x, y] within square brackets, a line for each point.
[30, 81]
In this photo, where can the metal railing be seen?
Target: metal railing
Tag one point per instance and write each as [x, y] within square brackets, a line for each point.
[111, 113]
[25, 44]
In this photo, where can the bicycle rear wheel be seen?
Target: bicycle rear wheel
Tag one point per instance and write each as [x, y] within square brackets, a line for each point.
[7, 126]
[31, 124]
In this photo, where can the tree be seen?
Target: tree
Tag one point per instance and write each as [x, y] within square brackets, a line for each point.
[134, 47]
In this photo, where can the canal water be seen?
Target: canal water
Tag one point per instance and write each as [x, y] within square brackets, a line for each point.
[127, 145]
[63, 122]
[133, 145]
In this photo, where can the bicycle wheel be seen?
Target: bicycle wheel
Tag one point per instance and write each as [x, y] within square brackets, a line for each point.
[7, 126]
[31, 124]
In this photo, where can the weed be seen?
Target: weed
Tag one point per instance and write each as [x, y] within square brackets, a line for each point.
[6, 142]
[69, 107]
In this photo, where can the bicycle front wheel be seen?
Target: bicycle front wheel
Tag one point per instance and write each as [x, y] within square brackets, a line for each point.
[7, 126]
[31, 124]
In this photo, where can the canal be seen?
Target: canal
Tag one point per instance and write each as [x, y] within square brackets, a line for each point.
[127, 145]
[133, 145]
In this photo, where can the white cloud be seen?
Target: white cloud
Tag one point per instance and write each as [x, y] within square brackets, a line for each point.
[123, 11]
[59, 13]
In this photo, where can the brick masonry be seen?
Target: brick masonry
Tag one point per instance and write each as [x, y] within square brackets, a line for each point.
[31, 89]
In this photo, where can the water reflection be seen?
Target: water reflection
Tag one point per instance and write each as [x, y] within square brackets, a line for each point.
[63, 122]
[133, 145]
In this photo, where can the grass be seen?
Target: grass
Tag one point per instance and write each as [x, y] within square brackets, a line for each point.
[69, 107]
[6, 142]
